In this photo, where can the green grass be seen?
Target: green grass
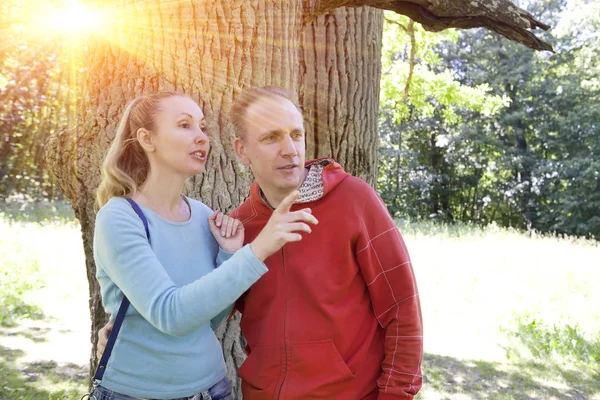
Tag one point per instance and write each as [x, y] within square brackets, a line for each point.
[17, 278]
[44, 380]
[480, 291]
[506, 315]
[44, 326]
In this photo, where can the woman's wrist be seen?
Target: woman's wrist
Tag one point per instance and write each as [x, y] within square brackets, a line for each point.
[229, 251]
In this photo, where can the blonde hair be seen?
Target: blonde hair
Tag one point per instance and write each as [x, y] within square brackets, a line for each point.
[126, 165]
[249, 97]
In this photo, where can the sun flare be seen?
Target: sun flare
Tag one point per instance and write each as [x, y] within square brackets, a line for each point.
[74, 19]
[70, 19]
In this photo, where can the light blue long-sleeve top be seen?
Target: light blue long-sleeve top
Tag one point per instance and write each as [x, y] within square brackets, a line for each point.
[166, 348]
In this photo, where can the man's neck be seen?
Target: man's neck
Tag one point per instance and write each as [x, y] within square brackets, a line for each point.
[275, 197]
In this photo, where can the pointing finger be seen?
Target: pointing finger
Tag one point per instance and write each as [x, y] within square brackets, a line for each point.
[286, 204]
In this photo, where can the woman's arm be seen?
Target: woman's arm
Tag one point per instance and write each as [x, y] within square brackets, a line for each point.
[122, 250]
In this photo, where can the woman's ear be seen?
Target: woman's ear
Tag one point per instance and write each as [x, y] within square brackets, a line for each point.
[144, 138]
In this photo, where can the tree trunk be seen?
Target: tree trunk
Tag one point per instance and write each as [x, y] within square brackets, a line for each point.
[210, 51]
[340, 70]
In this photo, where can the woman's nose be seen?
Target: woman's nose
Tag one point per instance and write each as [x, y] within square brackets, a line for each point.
[201, 137]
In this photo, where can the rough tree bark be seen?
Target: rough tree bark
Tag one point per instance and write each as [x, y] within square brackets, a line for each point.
[340, 71]
[329, 56]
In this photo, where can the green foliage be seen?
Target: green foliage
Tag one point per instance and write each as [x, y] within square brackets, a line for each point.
[504, 134]
[39, 90]
[565, 341]
[432, 84]
[25, 208]
[436, 228]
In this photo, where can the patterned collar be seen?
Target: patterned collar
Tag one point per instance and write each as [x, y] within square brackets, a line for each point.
[312, 188]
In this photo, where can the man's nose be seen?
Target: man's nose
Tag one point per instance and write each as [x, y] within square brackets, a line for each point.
[288, 149]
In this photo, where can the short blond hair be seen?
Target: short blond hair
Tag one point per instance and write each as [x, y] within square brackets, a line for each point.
[249, 97]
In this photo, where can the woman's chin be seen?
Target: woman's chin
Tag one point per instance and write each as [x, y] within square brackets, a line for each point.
[197, 170]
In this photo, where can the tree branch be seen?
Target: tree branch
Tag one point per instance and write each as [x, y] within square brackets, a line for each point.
[413, 50]
[391, 21]
[500, 16]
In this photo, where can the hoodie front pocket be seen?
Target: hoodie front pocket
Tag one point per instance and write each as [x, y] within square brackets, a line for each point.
[260, 373]
[316, 370]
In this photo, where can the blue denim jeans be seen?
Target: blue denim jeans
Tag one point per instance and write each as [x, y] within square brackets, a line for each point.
[220, 391]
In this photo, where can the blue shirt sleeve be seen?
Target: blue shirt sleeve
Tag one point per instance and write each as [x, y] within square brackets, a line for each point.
[222, 256]
[122, 250]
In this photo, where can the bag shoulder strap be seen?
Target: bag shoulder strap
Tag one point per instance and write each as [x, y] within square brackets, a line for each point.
[122, 310]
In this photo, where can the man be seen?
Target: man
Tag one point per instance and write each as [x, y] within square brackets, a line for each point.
[338, 314]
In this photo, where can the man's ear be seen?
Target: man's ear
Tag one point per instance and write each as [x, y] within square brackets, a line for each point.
[144, 138]
[240, 151]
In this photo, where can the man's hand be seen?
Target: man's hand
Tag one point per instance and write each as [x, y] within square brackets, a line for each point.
[228, 231]
[283, 227]
[103, 339]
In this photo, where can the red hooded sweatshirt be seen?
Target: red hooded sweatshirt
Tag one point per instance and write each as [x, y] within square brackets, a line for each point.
[338, 314]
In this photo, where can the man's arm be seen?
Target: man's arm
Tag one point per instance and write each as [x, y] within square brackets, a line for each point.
[386, 267]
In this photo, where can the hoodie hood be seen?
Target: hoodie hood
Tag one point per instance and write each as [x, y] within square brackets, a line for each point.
[324, 175]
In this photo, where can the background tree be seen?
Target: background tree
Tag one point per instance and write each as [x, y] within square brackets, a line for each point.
[36, 89]
[527, 158]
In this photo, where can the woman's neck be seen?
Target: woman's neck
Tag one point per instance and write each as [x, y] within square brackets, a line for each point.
[163, 195]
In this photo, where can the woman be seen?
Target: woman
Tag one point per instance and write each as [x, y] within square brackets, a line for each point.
[189, 270]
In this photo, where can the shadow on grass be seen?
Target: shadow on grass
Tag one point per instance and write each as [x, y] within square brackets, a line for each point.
[39, 380]
[36, 334]
[453, 378]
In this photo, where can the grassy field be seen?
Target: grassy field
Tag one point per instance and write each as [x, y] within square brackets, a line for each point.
[507, 315]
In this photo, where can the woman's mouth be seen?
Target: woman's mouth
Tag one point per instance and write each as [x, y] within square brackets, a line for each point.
[200, 155]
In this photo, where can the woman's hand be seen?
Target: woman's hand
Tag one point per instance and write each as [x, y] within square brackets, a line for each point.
[228, 231]
[103, 339]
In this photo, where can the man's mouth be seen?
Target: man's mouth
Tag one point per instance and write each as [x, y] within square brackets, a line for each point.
[288, 167]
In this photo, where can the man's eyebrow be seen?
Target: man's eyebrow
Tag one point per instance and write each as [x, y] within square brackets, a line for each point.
[272, 132]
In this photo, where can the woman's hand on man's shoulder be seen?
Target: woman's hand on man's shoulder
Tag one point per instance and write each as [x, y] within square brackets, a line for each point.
[227, 231]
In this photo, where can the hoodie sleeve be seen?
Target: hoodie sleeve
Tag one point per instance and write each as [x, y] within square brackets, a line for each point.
[386, 267]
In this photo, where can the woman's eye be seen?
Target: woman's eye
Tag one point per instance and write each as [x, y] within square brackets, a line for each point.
[184, 125]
